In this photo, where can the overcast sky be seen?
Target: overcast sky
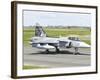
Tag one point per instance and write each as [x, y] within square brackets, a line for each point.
[56, 18]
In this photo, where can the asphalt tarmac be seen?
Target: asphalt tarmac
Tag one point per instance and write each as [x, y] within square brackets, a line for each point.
[64, 58]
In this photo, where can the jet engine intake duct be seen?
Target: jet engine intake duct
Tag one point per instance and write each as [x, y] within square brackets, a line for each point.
[65, 44]
[62, 43]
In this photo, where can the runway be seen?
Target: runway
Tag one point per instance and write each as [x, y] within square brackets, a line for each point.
[64, 58]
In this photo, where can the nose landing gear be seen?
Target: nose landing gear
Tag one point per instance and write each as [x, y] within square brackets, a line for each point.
[76, 51]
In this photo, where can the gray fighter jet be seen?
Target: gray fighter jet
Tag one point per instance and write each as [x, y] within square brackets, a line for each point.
[42, 41]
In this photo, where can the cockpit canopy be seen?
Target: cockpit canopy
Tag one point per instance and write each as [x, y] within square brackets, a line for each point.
[74, 38]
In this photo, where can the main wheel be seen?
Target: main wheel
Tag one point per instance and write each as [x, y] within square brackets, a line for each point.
[57, 50]
[47, 50]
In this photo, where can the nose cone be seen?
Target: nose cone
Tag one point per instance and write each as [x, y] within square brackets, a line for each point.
[83, 44]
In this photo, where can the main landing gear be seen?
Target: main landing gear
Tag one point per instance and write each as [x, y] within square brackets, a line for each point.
[47, 50]
[57, 50]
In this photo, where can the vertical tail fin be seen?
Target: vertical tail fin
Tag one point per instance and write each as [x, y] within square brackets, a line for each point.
[39, 31]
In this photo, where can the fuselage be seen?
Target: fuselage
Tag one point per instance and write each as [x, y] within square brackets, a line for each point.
[41, 41]
[61, 42]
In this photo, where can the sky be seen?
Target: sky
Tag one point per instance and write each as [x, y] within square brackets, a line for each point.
[30, 18]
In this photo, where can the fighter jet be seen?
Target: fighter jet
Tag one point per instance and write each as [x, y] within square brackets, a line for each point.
[42, 41]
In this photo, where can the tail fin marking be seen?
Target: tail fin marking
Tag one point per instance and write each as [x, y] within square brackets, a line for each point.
[39, 31]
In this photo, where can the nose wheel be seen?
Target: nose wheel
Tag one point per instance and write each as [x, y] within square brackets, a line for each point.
[76, 51]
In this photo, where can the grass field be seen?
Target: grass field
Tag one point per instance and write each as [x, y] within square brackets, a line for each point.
[54, 32]
[32, 67]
